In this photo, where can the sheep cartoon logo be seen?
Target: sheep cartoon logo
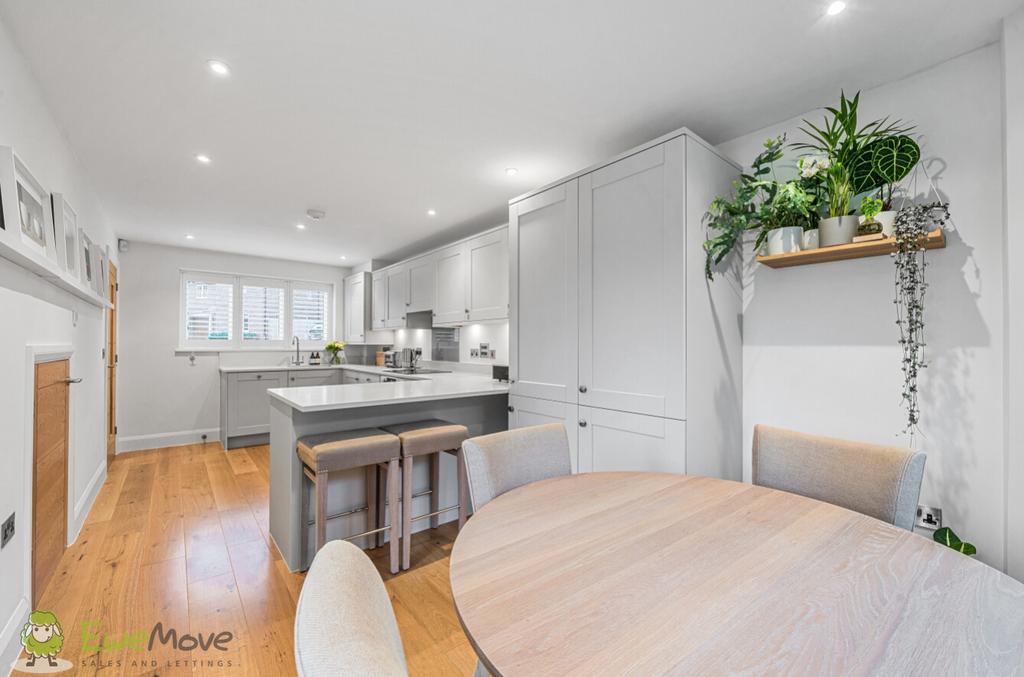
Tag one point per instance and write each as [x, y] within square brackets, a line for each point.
[43, 638]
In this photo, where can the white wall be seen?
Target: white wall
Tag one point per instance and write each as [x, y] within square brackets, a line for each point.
[44, 315]
[820, 351]
[1013, 96]
[165, 400]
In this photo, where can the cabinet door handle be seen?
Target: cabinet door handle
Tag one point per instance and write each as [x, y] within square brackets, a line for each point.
[583, 424]
[511, 408]
[259, 377]
[583, 389]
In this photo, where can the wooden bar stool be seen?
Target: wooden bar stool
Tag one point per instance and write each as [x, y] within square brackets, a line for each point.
[429, 437]
[369, 448]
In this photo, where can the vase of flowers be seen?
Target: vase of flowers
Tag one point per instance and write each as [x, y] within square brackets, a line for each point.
[337, 351]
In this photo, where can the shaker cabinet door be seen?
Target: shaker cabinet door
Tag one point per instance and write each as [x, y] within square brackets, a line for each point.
[526, 411]
[421, 284]
[380, 300]
[398, 296]
[487, 268]
[616, 440]
[543, 232]
[632, 328]
[450, 306]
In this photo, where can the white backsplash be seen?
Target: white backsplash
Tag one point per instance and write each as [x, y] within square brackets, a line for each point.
[495, 334]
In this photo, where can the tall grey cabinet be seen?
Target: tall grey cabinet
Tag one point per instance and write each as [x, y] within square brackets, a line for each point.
[614, 329]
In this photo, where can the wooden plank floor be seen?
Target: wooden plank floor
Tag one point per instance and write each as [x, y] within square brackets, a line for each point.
[180, 536]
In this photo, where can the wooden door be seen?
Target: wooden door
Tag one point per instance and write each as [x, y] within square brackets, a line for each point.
[112, 366]
[398, 296]
[450, 304]
[617, 440]
[487, 268]
[543, 333]
[633, 285]
[527, 411]
[380, 300]
[421, 284]
[49, 472]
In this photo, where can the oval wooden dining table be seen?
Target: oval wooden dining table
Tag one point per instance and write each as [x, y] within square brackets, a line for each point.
[650, 574]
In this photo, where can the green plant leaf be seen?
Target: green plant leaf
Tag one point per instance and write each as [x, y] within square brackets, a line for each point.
[862, 174]
[946, 537]
[893, 157]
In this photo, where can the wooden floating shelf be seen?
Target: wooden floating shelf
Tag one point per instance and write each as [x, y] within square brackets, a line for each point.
[842, 252]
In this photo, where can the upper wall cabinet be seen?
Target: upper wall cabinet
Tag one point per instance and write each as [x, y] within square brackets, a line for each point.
[464, 282]
[358, 301]
[421, 283]
[450, 287]
[487, 268]
[379, 298]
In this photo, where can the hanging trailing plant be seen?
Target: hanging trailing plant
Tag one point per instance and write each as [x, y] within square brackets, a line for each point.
[913, 223]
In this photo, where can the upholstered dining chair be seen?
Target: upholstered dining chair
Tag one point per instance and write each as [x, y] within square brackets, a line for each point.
[503, 461]
[344, 623]
[879, 481]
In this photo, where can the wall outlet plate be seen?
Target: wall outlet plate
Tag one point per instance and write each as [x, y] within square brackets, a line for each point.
[474, 352]
[929, 517]
[494, 353]
[7, 531]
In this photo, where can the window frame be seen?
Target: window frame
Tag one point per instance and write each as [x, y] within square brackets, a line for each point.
[237, 281]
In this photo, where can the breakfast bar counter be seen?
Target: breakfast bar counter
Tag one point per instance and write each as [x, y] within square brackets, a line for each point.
[473, 400]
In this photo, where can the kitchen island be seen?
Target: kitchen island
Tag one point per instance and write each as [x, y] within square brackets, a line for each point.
[471, 399]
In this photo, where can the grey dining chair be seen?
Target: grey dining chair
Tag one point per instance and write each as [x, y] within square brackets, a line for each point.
[344, 623]
[503, 461]
[879, 481]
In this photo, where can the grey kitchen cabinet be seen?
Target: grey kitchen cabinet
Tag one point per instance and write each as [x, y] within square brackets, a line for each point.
[313, 377]
[245, 407]
[349, 376]
[358, 302]
[398, 296]
[379, 303]
[422, 273]
[486, 269]
[527, 411]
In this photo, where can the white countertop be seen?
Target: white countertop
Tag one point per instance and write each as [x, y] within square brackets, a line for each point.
[422, 388]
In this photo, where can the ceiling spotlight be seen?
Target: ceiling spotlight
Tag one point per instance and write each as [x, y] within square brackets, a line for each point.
[431, 212]
[342, 258]
[219, 68]
[511, 171]
[836, 7]
[203, 159]
[300, 226]
[190, 237]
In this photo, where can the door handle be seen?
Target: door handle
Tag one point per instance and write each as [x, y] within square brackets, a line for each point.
[583, 389]
[70, 381]
[583, 424]
[511, 408]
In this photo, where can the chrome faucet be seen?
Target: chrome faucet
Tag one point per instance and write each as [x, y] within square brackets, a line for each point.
[298, 358]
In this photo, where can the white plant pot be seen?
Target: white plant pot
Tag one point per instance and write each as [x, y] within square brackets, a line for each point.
[784, 240]
[810, 240]
[838, 230]
[887, 221]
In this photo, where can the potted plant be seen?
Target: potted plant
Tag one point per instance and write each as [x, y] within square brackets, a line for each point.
[337, 351]
[849, 170]
[882, 165]
[784, 217]
[870, 208]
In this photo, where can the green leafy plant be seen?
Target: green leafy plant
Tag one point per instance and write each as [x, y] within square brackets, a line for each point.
[870, 207]
[946, 537]
[792, 206]
[840, 190]
[844, 142]
[890, 158]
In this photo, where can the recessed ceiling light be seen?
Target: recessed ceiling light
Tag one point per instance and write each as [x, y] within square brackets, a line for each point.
[203, 159]
[431, 212]
[836, 7]
[300, 226]
[219, 68]
[190, 237]
[511, 171]
[342, 258]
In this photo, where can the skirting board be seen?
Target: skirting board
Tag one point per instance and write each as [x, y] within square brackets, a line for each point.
[161, 440]
[10, 636]
[84, 504]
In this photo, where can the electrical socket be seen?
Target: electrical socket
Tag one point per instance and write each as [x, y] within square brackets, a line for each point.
[474, 352]
[929, 517]
[7, 531]
[494, 354]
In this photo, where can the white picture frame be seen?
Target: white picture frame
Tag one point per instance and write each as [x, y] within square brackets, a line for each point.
[85, 250]
[35, 215]
[96, 261]
[65, 225]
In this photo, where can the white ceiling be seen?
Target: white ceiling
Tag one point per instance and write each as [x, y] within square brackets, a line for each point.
[378, 111]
